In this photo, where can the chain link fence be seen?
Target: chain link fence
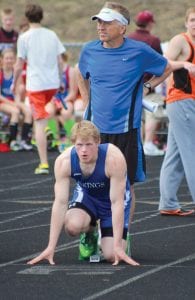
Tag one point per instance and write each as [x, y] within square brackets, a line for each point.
[73, 51]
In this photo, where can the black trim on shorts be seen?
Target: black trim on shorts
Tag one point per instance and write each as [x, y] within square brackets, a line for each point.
[89, 108]
[82, 206]
[108, 231]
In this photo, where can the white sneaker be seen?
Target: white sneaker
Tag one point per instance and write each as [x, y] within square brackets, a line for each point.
[25, 146]
[152, 150]
[15, 146]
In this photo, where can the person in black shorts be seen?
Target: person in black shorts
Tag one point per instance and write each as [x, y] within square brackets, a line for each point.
[110, 77]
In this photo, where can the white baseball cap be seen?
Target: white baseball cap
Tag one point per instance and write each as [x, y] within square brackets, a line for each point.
[108, 15]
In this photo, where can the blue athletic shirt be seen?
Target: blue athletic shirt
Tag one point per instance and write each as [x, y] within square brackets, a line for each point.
[116, 82]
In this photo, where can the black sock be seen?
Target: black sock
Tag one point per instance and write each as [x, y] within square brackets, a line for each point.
[26, 128]
[13, 131]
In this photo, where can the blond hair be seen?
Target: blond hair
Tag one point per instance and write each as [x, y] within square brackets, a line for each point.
[189, 11]
[119, 8]
[8, 50]
[85, 129]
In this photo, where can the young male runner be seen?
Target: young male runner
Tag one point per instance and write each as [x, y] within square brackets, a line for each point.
[102, 193]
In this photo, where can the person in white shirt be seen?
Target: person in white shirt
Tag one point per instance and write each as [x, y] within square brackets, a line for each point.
[41, 49]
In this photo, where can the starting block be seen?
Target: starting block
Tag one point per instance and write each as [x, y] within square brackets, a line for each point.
[96, 258]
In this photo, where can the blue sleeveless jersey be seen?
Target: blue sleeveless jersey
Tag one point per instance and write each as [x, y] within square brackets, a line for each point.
[93, 192]
[116, 82]
[97, 184]
[5, 87]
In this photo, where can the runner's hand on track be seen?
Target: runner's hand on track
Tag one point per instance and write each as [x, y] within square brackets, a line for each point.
[120, 255]
[47, 254]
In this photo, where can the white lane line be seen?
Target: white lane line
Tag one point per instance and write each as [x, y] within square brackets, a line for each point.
[24, 228]
[25, 215]
[163, 229]
[156, 197]
[138, 277]
[63, 247]
[144, 212]
[44, 202]
[156, 202]
[18, 187]
[140, 184]
[20, 164]
[15, 180]
[26, 163]
[92, 273]
[133, 233]
[17, 211]
[71, 270]
[145, 218]
[144, 185]
[26, 198]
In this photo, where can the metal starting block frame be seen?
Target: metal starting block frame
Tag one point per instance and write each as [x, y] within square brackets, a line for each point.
[96, 258]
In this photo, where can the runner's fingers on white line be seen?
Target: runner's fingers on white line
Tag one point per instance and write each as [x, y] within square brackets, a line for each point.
[130, 261]
[122, 256]
[46, 254]
[126, 259]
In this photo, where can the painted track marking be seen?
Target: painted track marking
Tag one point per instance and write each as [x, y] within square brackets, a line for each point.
[138, 277]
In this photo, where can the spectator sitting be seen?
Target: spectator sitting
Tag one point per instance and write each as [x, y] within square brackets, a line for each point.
[11, 104]
[62, 104]
[8, 36]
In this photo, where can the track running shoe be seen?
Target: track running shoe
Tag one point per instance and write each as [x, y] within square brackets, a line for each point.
[177, 212]
[26, 146]
[42, 169]
[15, 146]
[88, 245]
